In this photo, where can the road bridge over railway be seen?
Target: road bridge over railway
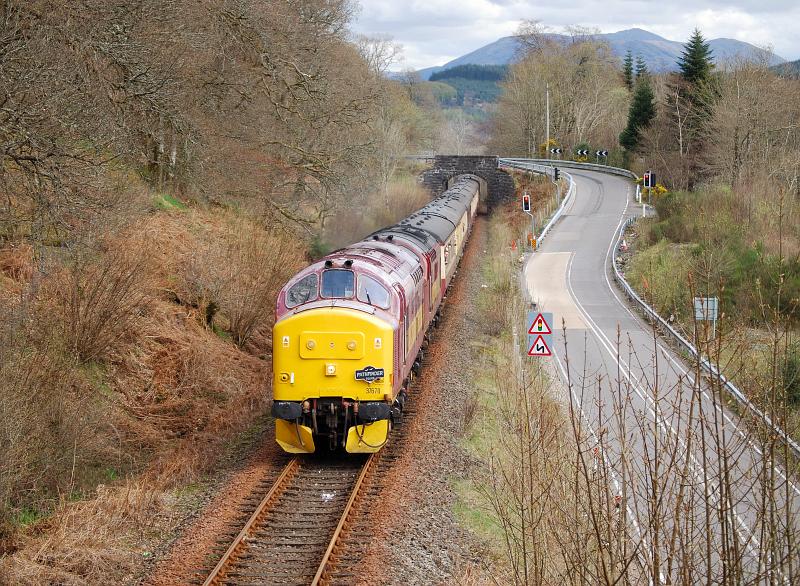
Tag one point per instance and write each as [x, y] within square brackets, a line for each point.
[496, 184]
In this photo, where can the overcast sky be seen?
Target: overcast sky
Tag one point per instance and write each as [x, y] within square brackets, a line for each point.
[433, 32]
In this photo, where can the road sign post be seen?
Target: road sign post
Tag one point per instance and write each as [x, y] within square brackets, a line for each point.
[707, 309]
[540, 334]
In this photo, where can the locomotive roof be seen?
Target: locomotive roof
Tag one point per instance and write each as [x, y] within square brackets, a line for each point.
[422, 239]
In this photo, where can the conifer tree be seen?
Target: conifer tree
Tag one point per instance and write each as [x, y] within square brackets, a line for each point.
[627, 70]
[641, 67]
[696, 62]
[640, 115]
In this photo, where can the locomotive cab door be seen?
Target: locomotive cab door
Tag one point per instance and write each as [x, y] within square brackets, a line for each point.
[401, 344]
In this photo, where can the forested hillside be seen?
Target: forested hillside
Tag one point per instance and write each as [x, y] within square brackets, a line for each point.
[166, 166]
[474, 84]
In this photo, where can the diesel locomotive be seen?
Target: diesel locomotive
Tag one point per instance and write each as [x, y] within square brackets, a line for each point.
[350, 328]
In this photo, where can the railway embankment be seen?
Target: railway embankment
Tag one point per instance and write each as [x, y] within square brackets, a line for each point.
[125, 380]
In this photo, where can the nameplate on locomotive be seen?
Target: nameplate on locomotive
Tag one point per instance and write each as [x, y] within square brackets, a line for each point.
[369, 374]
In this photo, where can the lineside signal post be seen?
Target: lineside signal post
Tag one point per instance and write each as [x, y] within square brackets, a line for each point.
[555, 177]
[526, 207]
[649, 182]
[540, 334]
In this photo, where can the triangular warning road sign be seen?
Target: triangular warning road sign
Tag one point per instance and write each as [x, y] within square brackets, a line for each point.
[539, 348]
[539, 326]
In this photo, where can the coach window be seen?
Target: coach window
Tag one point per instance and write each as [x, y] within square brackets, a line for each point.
[338, 283]
[372, 292]
[303, 291]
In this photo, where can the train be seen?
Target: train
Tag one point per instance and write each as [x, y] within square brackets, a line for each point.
[351, 329]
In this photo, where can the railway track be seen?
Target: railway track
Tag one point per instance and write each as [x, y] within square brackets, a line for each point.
[292, 536]
[309, 527]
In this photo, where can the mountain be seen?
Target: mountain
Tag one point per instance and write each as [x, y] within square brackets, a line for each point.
[659, 53]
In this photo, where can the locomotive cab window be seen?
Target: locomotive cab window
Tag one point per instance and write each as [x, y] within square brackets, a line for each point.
[372, 292]
[303, 291]
[339, 283]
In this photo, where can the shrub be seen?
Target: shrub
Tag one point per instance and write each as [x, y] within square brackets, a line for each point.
[790, 374]
[103, 300]
[52, 434]
[661, 273]
[236, 274]
[259, 263]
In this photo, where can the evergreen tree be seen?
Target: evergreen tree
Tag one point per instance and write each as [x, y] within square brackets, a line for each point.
[641, 67]
[640, 115]
[627, 70]
[696, 60]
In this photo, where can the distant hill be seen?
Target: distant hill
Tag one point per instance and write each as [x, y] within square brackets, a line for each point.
[659, 53]
[473, 84]
[472, 71]
[788, 69]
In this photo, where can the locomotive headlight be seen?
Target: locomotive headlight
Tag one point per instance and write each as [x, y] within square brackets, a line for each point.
[351, 345]
[330, 370]
[311, 344]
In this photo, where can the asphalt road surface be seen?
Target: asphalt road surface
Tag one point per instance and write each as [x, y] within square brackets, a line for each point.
[704, 500]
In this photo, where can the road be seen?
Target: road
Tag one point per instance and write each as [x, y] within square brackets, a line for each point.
[701, 499]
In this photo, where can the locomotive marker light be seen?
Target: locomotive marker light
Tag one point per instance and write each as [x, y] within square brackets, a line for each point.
[540, 335]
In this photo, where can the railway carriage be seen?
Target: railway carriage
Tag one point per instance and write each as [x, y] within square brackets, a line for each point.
[350, 328]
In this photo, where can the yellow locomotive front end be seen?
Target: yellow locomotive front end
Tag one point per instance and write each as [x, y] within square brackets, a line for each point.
[333, 379]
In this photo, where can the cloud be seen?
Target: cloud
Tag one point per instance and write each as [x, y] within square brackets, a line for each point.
[435, 31]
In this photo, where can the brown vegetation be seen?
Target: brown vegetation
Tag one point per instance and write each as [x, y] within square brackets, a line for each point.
[164, 168]
[735, 235]
[114, 367]
[747, 133]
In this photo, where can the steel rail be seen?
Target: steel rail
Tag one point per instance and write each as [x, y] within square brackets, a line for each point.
[229, 557]
[321, 574]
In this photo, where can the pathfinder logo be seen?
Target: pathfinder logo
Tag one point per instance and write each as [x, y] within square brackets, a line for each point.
[369, 374]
